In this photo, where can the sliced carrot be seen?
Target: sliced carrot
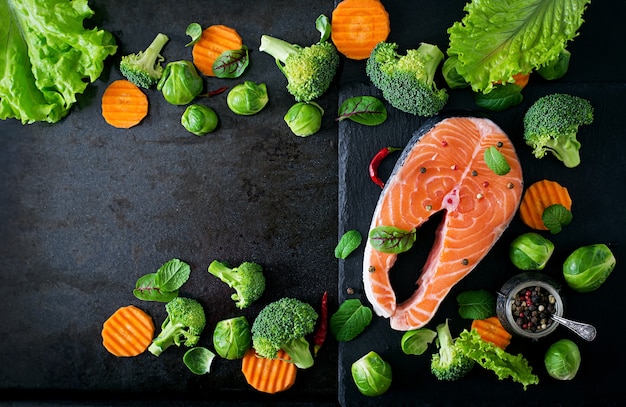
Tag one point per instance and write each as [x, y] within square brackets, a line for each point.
[538, 197]
[357, 26]
[268, 375]
[124, 105]
[128, 332]
[520, 79]
[491, 330]
[214, 41]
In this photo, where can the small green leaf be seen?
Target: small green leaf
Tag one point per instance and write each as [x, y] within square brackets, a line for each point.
[366, 110]
[231, 64]
[416, 341]
[476, 304]
[496, 161]
[198, 360]
[322, 24]
[390, 239]
[350, 320]
[348, 243]
[172, 275]
[555, 217]
[146, 289]
[194, 30]
[500, 98]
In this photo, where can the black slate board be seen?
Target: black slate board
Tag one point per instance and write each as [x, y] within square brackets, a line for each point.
[86, 209]
[597, 187]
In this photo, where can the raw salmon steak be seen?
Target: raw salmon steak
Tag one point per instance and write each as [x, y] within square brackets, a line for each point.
[442, 168]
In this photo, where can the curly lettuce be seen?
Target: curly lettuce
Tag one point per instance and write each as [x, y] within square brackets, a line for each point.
[489, 356]
[497, 39]
[47, 57]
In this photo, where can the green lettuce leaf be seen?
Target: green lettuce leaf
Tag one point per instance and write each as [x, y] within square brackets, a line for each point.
[498, 39]
[489, 356]
[47, 57]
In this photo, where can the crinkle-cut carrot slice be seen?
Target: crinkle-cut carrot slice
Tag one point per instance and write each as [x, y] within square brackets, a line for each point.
[128, 332]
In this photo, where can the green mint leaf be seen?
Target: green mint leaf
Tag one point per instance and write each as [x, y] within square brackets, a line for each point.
[390, 239]
[231, 64]
[350, 320]
[496, 161]
[476, 304]
[366, 110]
[322, 24]
[172, 275]
[555, 217]
[348, 243]
[146, 289]
[194, 30]
[500, 98]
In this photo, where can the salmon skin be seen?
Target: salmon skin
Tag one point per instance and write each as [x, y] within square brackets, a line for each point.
[442, 168]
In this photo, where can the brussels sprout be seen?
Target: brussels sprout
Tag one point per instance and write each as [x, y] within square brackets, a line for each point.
[198, 360]
[588, 267]
[530, 251]
[304, 119]
[180, 82]
[232, 337]
[371, 374]
[562, 359]
[199, 119]
[247, 98]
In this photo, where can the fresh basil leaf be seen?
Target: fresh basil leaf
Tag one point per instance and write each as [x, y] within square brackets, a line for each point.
[348, 243]
[496, 161]
[350, 320]
[556, 216]
[390, 239]
[172, 275]
[231, 64]
[476, 304]
[366, 110]
[146, 289]
[194, 30]
[415, 342]
[500, 98]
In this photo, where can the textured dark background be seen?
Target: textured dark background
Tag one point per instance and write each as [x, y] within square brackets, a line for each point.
[86, 209]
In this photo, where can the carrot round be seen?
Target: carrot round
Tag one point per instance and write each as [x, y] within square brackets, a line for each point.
[128, 332]
[538, 197]
[124, 105]
[268, 375]
[491, 330]
[521, 79]
[214, 41]
[357, 26]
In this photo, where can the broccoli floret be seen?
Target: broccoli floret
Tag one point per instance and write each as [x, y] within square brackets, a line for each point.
[283, 324]
[450, 363]
[183, 325]
[309, 70]
[247, 280]
[407, 82]
[144, 67]
[551, 125]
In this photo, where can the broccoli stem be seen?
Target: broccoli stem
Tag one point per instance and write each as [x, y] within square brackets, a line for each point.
[165, 339]
[154, 49]
[433, 57]
[565, 148]
[278, 48]
[299, 352]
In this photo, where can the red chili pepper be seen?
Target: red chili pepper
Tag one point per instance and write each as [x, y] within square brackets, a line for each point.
[322, 328]
[375, 163]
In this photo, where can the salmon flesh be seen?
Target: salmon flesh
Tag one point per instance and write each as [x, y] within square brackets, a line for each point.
[442, 168]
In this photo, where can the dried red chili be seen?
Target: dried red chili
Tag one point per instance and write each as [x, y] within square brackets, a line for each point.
[322, 328]
[375, 163]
